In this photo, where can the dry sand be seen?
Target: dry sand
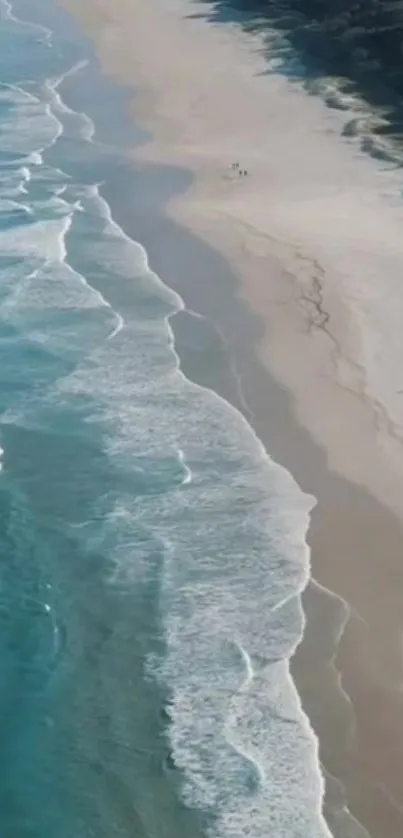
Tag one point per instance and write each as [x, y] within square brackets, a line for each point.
[312, 233]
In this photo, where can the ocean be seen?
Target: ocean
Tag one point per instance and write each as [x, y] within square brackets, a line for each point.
[153, 555]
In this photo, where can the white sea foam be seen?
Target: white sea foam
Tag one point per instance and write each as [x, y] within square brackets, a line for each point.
[46, 280]
[25, 121]
[230, 532]
[79, 123]
[235, 561]
[232, 541]
[225, 524]
[6, 12]
[188, 474]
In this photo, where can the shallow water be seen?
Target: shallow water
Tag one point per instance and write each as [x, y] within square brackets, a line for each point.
[153, 556]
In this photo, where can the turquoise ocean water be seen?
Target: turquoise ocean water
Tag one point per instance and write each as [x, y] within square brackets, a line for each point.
[152, 556]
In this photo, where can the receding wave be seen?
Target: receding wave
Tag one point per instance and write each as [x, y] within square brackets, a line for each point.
[161, 535]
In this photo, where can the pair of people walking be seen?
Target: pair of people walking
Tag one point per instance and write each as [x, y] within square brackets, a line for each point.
[237, 168]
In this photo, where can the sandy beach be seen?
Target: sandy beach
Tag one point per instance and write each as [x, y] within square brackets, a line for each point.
[312, 237]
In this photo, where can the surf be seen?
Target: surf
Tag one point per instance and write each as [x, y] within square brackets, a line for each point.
[159, 498]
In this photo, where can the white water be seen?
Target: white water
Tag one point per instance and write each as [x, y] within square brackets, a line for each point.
[230, 522]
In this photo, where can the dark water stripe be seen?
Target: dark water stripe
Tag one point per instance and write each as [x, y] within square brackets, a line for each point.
[190, 267]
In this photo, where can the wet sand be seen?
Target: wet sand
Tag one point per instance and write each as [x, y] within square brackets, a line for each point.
[287, 347]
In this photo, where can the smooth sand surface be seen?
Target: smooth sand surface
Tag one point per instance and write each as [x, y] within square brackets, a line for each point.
[312, 235]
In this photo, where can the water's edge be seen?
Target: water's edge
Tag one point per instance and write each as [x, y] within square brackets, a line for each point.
[224, 314]
[153, 229]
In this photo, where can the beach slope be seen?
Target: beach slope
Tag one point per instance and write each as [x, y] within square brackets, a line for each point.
[313, 330]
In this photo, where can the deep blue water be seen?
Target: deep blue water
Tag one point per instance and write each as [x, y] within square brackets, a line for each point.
[151, 555]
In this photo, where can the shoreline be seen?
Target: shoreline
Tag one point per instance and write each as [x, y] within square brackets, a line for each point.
[347, 522]
[265, 397]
